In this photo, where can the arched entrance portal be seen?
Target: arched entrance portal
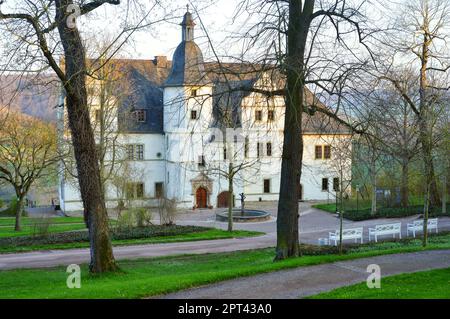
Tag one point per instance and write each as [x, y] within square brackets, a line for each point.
[222, 199]
[201, 197]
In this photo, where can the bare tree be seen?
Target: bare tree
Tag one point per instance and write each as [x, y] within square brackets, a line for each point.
[234, 166]
[418, 47]
[341, 165]
[295, 36]
[27, 154]
[423, 77]
[400, 139]
[373, 157]
[43, 28]
[107, 87]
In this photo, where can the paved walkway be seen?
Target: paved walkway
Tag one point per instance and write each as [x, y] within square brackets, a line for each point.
[51, 258]
[313, 223]
[306, 281]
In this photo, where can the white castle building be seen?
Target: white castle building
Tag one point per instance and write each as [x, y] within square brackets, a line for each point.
[183, 123]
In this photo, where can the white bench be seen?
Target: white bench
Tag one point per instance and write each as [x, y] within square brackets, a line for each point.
[386, 229]
[417, 225]
[351, 233]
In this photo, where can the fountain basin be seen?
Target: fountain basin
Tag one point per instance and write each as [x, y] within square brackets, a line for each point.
[250, 215]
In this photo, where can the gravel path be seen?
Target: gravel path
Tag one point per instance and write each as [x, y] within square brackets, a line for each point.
[51, 258]
[306, 281]
[313, 224]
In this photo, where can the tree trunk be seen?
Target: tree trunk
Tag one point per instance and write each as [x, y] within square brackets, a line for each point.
[19, 211]
[291, 165]
[430, 179]
[404, 187]
[425, 120]
[425, 217]
[102, 259]
[341, 213]
[230, 197]
[373, 174]
[431, 190]
[444, 194]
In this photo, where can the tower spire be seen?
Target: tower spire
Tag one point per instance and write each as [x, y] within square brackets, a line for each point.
[187, 26]
[187, 62]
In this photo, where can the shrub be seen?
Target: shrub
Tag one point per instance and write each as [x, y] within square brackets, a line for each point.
[142, 216]
[167, 209]
[391, 212]
[11, 210]
[125, 219]
[312, 250]
[139, 217]
[40, 226]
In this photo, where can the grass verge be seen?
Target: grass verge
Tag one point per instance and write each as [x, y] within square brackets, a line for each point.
[433, 284]
[153, 276]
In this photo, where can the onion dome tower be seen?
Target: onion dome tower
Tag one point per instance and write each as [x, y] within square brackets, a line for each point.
[187, 62]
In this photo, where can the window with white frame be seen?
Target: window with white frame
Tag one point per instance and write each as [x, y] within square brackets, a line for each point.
[267, 186]
[269, 149]
[324, 184]
[134, 190]
[135, 152]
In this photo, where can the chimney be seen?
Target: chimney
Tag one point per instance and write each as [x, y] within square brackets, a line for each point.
[161, 61]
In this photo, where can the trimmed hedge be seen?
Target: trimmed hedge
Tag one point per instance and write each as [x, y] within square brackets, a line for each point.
[10, 211]
[116, 234]
[314, 250]
[396, 212]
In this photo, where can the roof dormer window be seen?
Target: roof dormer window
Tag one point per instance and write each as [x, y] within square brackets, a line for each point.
[258, 115]
[140, 116]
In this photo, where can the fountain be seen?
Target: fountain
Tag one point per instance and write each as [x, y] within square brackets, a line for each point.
[243, 215]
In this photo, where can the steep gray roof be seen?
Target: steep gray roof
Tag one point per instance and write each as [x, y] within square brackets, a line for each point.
[145, 95]
[227, 102]
[187, 67]
[140, 88]
[144, 80]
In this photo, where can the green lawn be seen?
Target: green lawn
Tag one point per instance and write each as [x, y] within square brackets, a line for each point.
[433, 284]
[153, 276]
[10, 221]
[331, 208]
[28, 225]
[195, 236]
[28, 230]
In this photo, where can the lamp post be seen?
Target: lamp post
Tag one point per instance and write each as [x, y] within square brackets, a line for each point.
[336, 205]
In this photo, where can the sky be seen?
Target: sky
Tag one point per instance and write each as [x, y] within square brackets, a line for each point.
[163, 37]
[160, 38]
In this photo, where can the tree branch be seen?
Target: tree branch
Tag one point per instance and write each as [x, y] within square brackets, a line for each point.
[88, 7]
